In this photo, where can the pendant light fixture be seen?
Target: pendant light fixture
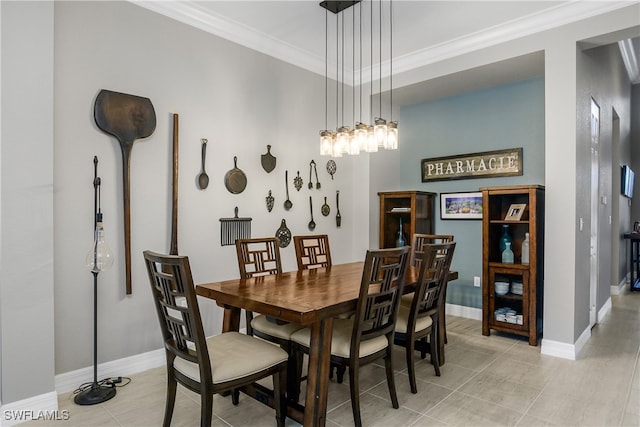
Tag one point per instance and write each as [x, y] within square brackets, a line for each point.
[363, 137]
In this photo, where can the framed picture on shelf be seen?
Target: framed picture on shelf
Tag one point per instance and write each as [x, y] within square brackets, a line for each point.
[461, 205]
[515, 212]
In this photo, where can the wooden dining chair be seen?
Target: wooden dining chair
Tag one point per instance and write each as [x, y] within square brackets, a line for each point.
[421, 319]
[312, 251]
[367, 336]
[261, 257]
[225, 362]
[419, 240]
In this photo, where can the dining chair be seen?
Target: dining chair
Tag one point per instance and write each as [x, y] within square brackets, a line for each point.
[222, 363]
[419, 240]
[261, 257]
[312, 251]
[421, 319]
[368, 335]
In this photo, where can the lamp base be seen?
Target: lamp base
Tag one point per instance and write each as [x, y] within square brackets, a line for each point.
[96, 394]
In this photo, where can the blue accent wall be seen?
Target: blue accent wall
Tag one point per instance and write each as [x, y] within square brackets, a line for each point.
[501, 117]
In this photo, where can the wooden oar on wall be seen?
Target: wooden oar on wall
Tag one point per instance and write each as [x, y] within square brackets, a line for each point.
[127, 117]
[174, 199]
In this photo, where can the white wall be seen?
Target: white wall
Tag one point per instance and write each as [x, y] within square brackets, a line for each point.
[26, 201]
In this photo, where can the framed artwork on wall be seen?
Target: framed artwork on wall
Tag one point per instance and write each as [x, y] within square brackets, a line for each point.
[466, 205]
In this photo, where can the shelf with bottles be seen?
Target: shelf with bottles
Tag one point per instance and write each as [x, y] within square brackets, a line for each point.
[415, 210]
[519, 238]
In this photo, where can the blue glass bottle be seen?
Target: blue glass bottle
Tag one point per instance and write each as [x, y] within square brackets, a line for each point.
[400, 241]
[505, 238]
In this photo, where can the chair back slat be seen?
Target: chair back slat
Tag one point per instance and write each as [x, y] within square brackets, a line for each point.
[419, 240]
[436, 262]
[380, 290]
[258, 257]
[177, 309]
[312, 251]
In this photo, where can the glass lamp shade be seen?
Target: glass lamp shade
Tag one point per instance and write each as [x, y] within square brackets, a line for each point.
[372, 144]
[392, 136]
[354, 144]
[360, 134]
[342, 141]
[326, 143]
[99, 258]
[380, 131]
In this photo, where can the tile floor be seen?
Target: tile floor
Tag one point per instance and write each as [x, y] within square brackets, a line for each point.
[486, 381]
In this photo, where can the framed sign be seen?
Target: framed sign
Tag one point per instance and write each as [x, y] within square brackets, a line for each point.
[487, 164]
[461, 205]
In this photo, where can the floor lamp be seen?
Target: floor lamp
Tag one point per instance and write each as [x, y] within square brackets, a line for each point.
[98, 259]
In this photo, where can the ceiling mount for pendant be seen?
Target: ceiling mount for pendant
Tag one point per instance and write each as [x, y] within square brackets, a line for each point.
[337, 6]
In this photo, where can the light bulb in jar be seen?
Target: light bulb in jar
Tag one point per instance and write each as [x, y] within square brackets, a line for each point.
[99, 258]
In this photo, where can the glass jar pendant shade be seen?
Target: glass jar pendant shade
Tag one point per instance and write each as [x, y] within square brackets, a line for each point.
[326, 143]
[383, 132]
[380, 132]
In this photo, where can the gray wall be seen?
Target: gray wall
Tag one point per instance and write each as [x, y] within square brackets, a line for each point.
[26, 201]
[498, 118]
[601, 76]
[239, 99]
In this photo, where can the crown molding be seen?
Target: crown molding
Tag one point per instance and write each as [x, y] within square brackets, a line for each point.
[192, 14]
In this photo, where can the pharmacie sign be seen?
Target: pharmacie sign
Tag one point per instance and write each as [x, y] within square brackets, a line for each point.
[475, 165]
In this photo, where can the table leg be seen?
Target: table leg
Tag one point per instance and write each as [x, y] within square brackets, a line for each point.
[315, 412]
[231, 320]
[441, 334]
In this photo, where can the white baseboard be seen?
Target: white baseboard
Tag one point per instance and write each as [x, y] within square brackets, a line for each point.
[617, 289]
[564, 350]
[463, 311]
[116, 368]
[44, 406]
[604, 310]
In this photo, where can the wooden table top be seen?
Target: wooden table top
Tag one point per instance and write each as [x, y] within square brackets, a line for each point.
[303, 296]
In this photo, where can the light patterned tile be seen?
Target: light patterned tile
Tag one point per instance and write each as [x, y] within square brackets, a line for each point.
[563, 409]
[463, 410]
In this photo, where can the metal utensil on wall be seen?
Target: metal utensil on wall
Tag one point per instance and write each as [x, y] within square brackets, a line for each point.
[312, 224]
[310, 175]
[315, 169]
[234, 228]
[269, 199]
[203, 178]
[268, 161]
[235, 180]
[283, 234]
[287, 203]
[338, 216]
[297, 182]
[331, 168]
[325, 208]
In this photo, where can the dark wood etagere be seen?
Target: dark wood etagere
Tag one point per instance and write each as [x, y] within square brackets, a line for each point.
[513, 312]
[416, 208]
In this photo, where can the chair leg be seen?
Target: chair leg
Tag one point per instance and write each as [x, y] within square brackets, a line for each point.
[172, 385]
[280, 401]
[433, 347]
[354, 388]
[411, 367]
[206, 407]
[294, 374]
[388, 364]
[423, 351]
[340, 370]
[235, 396]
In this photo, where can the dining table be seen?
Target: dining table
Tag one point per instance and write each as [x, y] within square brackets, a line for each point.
[311, 298]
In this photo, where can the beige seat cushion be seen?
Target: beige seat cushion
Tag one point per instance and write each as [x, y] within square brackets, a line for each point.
[341, 339]
[234, 355]
[263, 324]
[406, 299]
[422, 323]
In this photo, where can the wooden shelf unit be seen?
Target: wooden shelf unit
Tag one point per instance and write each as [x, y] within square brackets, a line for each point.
[417, 215]
[528, 306]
